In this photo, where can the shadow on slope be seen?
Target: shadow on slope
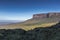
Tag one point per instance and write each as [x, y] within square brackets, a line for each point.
[49, 33]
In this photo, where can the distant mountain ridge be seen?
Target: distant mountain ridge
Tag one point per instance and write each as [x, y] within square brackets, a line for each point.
[4, 22]
[44, 18]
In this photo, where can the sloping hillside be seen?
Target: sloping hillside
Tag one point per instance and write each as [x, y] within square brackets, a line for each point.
[31, 24]
[40, 33]
[35, 21]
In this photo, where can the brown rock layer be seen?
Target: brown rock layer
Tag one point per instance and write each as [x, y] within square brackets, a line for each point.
[46, 15]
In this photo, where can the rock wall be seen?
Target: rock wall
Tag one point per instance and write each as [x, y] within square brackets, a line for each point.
[46, 15]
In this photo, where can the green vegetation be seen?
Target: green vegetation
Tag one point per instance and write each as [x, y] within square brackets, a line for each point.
[32, 23]
[27, 26]
[48, 33]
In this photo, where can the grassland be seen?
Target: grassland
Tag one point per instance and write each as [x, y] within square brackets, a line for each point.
[27, 26]
[32, 23]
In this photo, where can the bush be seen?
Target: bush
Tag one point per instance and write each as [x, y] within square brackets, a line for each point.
[51, 33]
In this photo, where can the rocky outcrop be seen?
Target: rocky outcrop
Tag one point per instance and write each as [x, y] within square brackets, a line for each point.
[46, 15]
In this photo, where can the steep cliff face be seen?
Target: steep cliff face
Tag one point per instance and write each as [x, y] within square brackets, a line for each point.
[47, 15]
[39, 16]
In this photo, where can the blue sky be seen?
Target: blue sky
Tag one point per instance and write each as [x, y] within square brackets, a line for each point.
[24, 9]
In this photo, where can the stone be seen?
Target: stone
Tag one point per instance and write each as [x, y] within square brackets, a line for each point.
[46, 15]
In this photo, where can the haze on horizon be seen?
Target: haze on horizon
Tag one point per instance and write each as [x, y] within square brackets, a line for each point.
[24, 9]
